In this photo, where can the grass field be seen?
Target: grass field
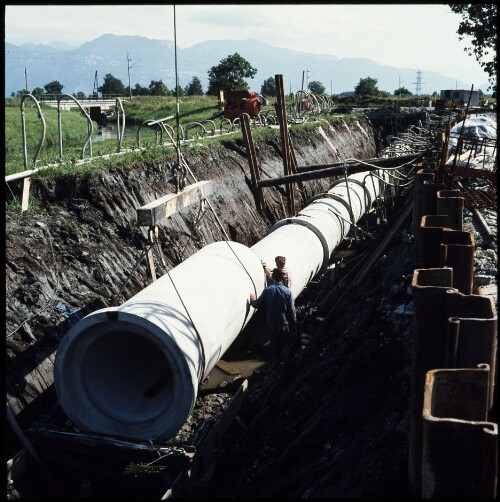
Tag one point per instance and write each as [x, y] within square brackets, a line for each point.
[75, 144]
[74, 128]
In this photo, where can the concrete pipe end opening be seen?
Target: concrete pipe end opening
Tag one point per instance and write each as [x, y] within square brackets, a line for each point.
[124, 376]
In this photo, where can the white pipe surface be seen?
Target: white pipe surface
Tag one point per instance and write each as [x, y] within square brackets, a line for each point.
[134, 370]
[165, 335]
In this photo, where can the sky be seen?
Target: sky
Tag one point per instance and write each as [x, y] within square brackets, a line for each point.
[422, 36]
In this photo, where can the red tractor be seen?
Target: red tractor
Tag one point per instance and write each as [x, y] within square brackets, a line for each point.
[235, 103]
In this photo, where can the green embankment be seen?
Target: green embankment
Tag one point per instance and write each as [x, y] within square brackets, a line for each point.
[75, 132]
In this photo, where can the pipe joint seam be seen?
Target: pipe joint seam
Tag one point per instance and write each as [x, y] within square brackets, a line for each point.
[356, 182]
[338, 199]
[316, 231]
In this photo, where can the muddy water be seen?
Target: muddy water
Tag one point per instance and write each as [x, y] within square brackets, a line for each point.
[250, 352]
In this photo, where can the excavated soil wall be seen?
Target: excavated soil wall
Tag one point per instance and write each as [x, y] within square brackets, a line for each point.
[82, 250]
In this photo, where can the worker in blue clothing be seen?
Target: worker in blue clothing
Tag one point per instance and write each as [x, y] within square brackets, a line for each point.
[280, 315]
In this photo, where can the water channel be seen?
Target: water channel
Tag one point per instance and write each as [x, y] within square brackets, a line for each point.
[110, 132]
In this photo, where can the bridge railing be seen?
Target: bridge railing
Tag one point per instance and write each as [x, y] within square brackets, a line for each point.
[55, 97]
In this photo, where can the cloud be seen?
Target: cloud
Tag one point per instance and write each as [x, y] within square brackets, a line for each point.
[402, 35]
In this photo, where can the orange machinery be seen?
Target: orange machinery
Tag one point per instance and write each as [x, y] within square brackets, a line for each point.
[235, 103]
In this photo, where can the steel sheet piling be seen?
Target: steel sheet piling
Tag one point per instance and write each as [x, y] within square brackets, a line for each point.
[451, 203]
[437, 341]
[460, 446]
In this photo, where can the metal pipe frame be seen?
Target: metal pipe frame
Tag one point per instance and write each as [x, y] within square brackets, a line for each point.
[23, 126]
[120, 124]
[89, 127]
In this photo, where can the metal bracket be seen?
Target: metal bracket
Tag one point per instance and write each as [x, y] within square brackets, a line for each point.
[163, 208]
[152, 243]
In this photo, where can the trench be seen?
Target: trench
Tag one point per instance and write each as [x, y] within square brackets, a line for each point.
[78, 252]
[81, 247]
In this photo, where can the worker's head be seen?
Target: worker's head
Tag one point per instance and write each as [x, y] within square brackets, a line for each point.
[278, 275]
[280, 261]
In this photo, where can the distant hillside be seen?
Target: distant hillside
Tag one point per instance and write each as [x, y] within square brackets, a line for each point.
[154, 60]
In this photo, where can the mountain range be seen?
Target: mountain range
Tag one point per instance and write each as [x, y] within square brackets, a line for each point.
[144, 59]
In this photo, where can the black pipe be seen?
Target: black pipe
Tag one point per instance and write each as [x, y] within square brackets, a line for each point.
[340, 169]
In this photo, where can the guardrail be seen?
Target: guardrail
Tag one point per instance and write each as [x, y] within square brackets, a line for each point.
[102, 97]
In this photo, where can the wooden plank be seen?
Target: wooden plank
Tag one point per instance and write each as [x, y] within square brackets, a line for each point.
[26, 194]
[33, 385]
[337, 169]
[159, 210]
[152, 239]
[285, 138]
[227, 368]
[252, 159]
[482, 222]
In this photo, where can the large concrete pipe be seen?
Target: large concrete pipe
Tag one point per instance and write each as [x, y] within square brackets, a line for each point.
[309, 238]
[134, 370]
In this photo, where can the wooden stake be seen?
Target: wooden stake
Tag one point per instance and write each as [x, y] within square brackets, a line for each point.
[252, 160]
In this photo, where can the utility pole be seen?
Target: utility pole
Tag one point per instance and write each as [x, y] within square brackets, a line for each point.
[303, 74]
[128, 67]
[331, 87]
[399, 91]
[26, 79]
[95, 90]
[128, 70]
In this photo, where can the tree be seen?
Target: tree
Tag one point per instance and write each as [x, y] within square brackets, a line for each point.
[402, 91]
[194, 88]
[158, 88]
[138, 90]
[38, 92]
[178, 90]
[316, 87]
[19, 93]
[112, 85]
[229, 75]
[479, 22]
[366, 87]
[80, 95]
[53, 87]
[269, 87]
